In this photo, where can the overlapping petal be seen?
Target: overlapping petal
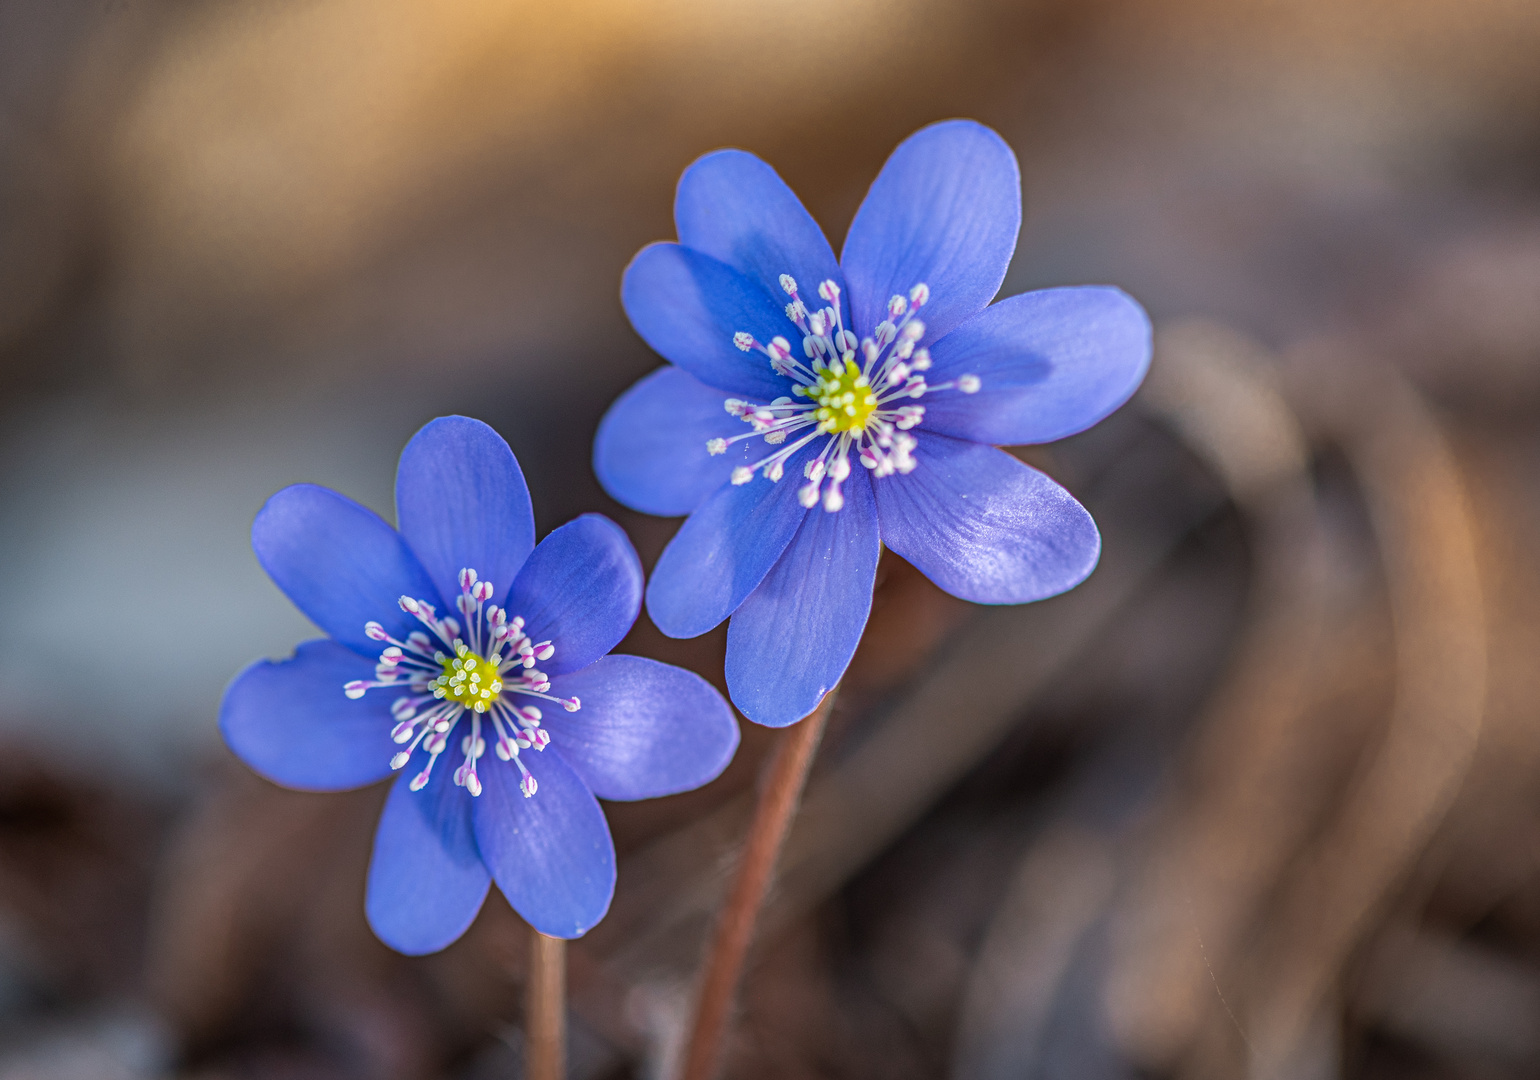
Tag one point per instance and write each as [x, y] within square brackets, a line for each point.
[984, 526]
[290, 721]
[1050, 363]
[722, 551]
[650, 452]
[551, 855]
[339, 562]
[794, 636]
[426, 879]
[582, 589]
[945, 210]
[688, 306]
[645, 729]
[461, 501]
[734, 207]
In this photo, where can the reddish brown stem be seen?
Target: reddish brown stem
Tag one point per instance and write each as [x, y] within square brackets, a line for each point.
[545, 1018]
[773, 814]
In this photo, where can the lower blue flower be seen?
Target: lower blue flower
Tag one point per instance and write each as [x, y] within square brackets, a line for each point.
[504, 719]
[818, 408]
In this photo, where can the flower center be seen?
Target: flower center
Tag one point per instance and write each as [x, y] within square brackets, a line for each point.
[469, 680]
[854, 395]
[844, 397]
[472, 675]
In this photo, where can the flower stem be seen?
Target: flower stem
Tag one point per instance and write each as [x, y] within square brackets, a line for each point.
[779, 795]
[545, 1018]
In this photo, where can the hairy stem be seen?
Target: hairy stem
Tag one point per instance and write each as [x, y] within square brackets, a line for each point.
[545, 1021]
[779, 795]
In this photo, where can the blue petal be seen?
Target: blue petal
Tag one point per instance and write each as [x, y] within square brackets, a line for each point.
[722, 551]
[550, 854]
[581, 590]
[339, 562]
[461, 501]
[945, 210]
[688, 306]
[733, 207]
[290, 721]
[427, 879]
[650, 452]
[1051, 363]
[985, 527]
[793, 638]
[645, 729]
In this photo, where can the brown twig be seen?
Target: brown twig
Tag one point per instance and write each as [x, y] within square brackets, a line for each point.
[545, 1023]
[773, 813]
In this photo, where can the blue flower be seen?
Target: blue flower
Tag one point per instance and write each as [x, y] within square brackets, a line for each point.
[401, 685]
[895, 361]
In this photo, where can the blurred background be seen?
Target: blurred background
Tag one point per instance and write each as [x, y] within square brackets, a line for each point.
[1261, 799]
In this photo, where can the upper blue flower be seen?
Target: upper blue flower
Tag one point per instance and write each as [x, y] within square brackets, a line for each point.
[891, 355]
[448, 685]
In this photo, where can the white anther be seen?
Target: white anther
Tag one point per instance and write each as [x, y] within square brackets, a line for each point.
[839, 469]
[505, 748]
[897, 306]
[780, 348]
[829, 291]
[402, 731]
[419, 781]
[572, 704]
[921, 361]
[846, 341]
[482, 591]
[884, 332]
[544, 651]
[919, 294]
[716, 446]
[807, 494]
[399, 760]
[355, 689]
[833, 501]
[899, 373]
[375, 632]
[968, 384]
[467, 578]
[914, 330]
[403, 708]
[410, 606]
[745, 342]
[789, 284]
[473, 784]
[817, 324]
[742, 475]
[528, 786]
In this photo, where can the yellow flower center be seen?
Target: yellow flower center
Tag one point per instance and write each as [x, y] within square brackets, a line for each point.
[844, 397]
[468, 680]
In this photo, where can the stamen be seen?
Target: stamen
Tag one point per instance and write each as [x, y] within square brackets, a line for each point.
[855, 394]
[468, 676]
